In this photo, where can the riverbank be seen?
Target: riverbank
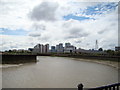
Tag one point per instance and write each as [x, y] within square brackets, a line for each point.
[104, 62]
[20, 59]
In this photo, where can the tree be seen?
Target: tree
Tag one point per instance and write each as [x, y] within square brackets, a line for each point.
[10, 51]
[111, 52]
[100, 49]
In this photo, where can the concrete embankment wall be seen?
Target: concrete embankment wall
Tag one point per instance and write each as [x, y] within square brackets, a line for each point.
[110, 58]
[18, 59]
[100, 57]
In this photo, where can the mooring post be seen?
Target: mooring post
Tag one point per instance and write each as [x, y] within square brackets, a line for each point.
[80, 86]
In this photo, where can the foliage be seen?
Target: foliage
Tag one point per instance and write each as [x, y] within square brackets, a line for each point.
[100, 49]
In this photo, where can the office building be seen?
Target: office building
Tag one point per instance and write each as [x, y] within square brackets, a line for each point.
[69, 48]
[59, 48]
[40, 48]
[117, 48]
[36, 49]
[46, 48]
[53, 49]
[67, 44]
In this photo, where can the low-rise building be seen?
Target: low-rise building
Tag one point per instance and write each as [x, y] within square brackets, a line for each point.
[89, 51]
[117, 48]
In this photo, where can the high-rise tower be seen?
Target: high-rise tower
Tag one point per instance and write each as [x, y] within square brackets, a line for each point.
[96, 45]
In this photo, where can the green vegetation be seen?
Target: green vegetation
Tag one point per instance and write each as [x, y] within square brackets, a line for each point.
[100, 49]
[17, 52]
[112, 52]
[104, 53]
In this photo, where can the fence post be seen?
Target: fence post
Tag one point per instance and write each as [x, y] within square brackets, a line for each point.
[80, 86]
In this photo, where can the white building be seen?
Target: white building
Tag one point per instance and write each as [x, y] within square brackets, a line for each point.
[69, 48]
[40, 48]
[89, 51]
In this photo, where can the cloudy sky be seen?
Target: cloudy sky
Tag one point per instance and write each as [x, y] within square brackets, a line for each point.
[25, 23]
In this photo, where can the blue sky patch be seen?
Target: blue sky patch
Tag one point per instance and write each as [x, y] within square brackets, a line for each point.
[100, 8]
[6, 31]
[80, 18]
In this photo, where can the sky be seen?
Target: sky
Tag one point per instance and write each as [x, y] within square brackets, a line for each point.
[25, 23]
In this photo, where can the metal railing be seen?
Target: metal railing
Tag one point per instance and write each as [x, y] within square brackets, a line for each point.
[115, 86]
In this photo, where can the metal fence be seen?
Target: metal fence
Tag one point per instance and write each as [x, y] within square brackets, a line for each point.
[115, 86]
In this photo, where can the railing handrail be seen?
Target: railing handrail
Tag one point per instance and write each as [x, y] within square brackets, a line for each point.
[114, 86]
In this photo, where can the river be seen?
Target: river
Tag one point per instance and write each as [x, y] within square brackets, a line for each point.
[58, 72]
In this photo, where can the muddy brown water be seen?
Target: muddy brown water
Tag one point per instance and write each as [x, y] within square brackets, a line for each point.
[58, 72]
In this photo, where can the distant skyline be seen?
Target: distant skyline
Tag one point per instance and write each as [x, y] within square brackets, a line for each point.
[25, 23]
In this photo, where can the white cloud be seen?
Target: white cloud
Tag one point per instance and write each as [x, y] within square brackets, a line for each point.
[13, 42]
[45, 11]
[42, 29]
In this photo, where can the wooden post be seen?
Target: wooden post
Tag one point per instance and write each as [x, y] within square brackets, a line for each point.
[80, 86]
